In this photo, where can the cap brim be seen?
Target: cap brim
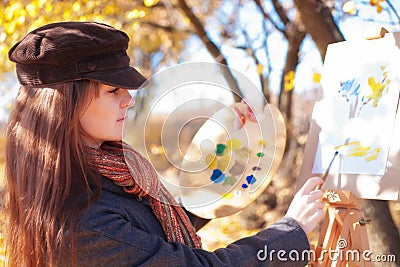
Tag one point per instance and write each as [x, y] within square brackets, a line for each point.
[127, 78]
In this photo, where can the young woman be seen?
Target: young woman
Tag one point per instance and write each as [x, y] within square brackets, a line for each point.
[76, 195]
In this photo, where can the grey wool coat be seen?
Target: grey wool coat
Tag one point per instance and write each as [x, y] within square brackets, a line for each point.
[119, 230]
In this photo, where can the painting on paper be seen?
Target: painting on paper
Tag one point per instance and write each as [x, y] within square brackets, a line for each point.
[360, 88]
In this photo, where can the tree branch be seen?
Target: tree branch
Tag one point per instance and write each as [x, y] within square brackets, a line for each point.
[393, 9]
[318, 22]
[213, 50]
[166, 28]
[267, 17]
[252, 53]
[281, 12]
[269, 67]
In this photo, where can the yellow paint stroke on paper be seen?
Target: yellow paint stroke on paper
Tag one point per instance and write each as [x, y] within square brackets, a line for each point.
[374, 155]
[341, 147]
[377, 4]
[377, 88]
[355, 149]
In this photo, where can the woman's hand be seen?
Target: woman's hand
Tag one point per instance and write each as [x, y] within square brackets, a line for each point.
[306, 207]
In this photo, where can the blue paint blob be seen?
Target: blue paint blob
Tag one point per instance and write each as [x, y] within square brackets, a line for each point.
[217, 176]
[251, 179]
[244, 186]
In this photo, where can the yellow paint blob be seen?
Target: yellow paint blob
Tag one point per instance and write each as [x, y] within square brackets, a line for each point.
[227, 196]
[263, 143]
[211, 161]
[233, 144]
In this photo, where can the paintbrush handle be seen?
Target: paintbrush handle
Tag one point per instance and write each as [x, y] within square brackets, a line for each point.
[326, 172]
[324, 175]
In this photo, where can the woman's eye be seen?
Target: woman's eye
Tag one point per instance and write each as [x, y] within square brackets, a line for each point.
[114, 91]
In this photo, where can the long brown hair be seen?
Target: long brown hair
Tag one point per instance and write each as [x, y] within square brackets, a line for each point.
[47, 175]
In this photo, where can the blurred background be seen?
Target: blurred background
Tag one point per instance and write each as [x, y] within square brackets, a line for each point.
[279, 44]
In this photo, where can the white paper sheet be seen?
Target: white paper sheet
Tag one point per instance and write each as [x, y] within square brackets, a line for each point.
[360, 85]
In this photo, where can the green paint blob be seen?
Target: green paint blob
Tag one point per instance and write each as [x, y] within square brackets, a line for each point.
[230, 180]
[220, 149]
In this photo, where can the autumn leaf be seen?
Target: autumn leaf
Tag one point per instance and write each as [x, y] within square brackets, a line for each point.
[289, 81]
[317, 77]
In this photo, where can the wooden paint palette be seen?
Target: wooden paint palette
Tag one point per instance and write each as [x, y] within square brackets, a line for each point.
[231, 160]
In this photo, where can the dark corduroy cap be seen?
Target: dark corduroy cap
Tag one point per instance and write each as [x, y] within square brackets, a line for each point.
[70, 51]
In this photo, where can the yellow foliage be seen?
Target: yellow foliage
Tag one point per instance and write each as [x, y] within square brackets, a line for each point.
[76, 7]
[150, 43]
[134, 17]
[150, 3]
[317, 77]
[2, 152]
[260, 69]
[289, 81]
[2, 243]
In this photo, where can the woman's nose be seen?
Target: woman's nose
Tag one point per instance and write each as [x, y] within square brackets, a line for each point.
[128, 101]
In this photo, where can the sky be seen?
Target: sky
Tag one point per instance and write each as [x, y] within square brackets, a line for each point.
[352, 27]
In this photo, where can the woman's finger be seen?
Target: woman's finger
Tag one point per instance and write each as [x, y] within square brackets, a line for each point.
[314, 195]
[313, 207]
[310, 185]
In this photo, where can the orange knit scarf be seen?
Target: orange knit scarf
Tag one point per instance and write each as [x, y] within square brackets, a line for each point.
[135, 174]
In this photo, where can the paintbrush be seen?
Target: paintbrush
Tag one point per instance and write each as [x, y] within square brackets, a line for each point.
[326, 172]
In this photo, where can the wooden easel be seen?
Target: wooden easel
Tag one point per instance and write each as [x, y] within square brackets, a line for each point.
[343, 231]
[344, 217]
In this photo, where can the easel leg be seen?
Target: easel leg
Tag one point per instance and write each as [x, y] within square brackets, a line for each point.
[343, 239]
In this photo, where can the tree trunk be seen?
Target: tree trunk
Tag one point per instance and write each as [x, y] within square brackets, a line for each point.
[318, 22]
[383, 235]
